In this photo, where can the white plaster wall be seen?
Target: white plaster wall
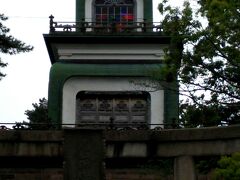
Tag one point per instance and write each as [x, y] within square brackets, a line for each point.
[73, 85]
[89, 10]
[114, 52]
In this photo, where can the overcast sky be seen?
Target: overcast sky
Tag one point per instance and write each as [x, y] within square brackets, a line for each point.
[27, 73]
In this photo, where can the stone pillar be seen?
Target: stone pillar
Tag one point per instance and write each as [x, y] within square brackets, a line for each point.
[184, 168]
[83, 154]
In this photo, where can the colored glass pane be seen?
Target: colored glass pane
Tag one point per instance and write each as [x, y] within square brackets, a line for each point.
[123, 10]
[98, 10]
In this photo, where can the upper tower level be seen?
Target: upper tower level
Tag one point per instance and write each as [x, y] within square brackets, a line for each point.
[100, 61]
[110, 16]
[120, 11]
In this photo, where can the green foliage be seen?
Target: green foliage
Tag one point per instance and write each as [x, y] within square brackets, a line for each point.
[205, 165]
[164, 165]
[205, 116]
[229, 168]
[38, 116]
[208, 65]
[9, 44]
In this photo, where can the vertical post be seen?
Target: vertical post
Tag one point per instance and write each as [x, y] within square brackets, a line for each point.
[52, 29]
[114, 26]
[144, 25]
[83, 26]
[83, 154]
[184, 168]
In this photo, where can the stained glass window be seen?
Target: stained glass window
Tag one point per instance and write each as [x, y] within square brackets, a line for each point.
[120, 11]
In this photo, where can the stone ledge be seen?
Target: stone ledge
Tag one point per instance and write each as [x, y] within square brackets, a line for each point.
[31, 136]
[191, 134]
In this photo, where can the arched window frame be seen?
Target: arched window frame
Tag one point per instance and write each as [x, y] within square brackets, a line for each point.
[89, 10]
[120, 11]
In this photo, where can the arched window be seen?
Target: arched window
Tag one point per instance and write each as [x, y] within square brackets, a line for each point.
[121, 11]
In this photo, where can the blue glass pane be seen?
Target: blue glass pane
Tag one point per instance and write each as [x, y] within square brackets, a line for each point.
[98, 10]
[111, 10]
[123, 10]
[117, 18]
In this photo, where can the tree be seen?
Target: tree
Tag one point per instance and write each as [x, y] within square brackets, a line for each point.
[38, 116]
[204, 116]
[208, 66]
[9, 44]
[229, 168]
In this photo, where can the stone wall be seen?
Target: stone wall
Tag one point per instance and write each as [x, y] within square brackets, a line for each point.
[31, 174]
[113, 155]
[135, 174]
[31, 155]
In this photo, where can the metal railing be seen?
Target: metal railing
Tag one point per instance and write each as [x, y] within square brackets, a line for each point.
[107, 126]
[114, 27]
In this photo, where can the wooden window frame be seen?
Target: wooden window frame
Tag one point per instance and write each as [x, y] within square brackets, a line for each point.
[114, 110]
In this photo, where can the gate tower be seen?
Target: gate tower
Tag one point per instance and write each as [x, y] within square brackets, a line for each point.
[102, 66]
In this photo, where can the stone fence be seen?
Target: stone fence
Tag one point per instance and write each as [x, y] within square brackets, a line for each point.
[83, 153]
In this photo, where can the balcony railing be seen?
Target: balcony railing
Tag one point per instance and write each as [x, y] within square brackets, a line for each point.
[96, 27]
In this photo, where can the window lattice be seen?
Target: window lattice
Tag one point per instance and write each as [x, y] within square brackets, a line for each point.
[122, 108]
[107, 11]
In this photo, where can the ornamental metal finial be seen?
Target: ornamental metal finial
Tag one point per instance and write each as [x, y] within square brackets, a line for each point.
[52, 29]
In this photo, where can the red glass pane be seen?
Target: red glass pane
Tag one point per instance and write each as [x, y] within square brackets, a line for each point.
[104, 17]
[129, 17]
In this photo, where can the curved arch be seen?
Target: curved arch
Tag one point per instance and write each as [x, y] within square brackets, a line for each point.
[115, 2]
[77, 84]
